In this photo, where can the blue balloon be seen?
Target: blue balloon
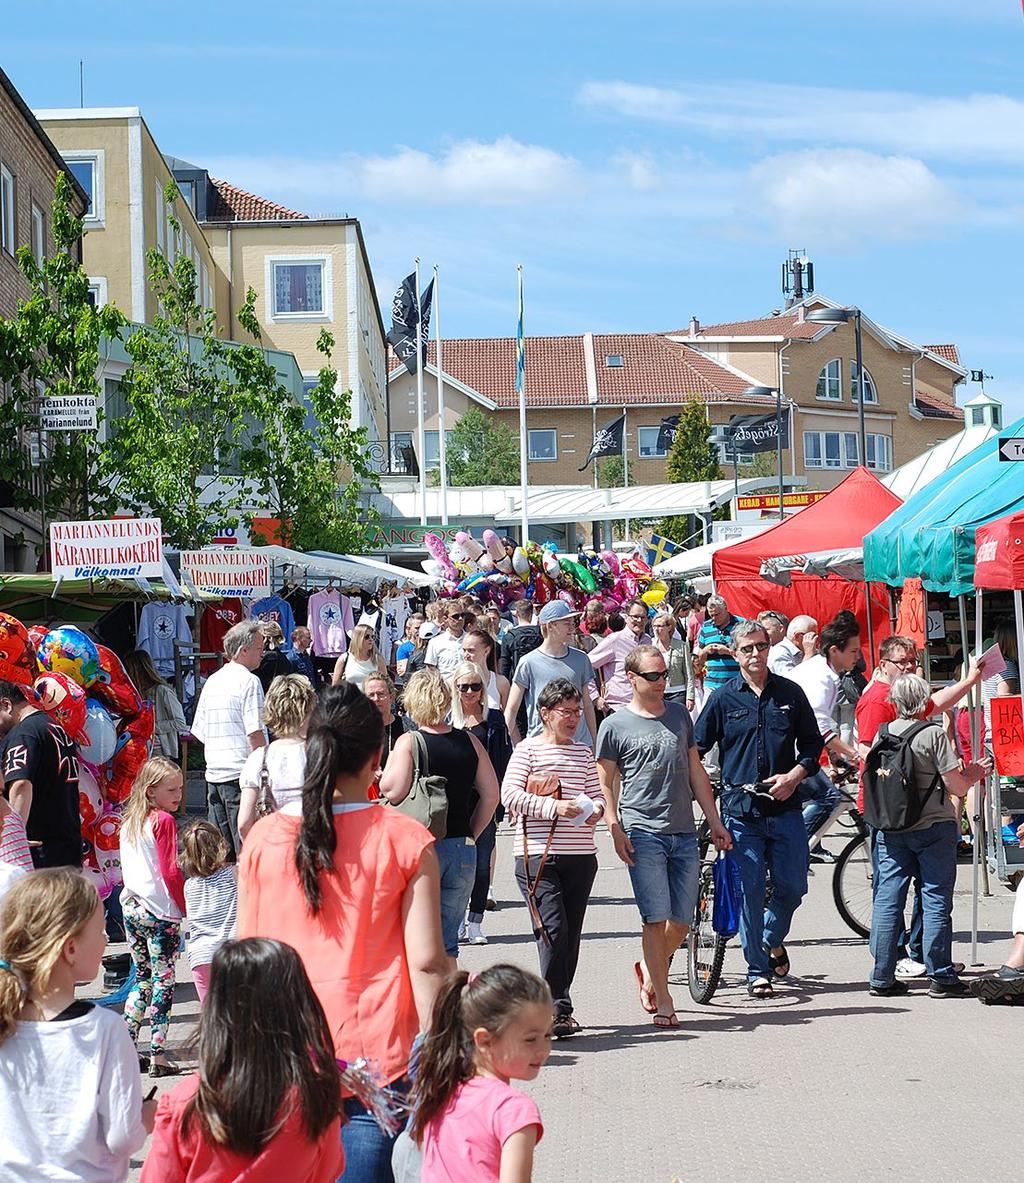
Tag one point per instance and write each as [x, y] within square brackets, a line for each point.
[101, 731]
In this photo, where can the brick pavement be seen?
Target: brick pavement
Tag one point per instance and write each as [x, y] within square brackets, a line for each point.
[822, 1082]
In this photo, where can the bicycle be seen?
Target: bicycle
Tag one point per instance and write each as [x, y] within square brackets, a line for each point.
[705, 948]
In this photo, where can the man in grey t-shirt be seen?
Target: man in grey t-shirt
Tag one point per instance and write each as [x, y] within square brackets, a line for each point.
[650, 773]
[554, 659]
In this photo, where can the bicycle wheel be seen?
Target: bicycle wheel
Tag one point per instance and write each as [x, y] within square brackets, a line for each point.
[852, 885]
[705, 949]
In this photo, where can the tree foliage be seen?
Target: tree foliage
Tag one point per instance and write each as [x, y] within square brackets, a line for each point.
[692, 458]
[481, 451]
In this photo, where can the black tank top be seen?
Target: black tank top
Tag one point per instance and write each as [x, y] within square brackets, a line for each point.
[453, 756]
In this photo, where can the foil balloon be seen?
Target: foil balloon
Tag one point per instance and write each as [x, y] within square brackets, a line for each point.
[36, 632]
[543, 590]
[100, 732]
[17, 655]
[134, 747]
[67, 650]
[657, 590]
[64, 701]
[113, 687]
[439, 554]
[521, 563]
[106, 842]
[90, 799]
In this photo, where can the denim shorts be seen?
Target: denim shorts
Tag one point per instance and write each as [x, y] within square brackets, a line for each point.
[457, 858]
[664, 876]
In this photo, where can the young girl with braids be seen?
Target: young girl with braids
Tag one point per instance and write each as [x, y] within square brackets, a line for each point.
[487, 1030]
[69, 1081]
[153, 902]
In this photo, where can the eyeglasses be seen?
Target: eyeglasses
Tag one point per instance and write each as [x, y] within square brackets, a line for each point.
[632, 617]
[470, 687]
[904, 663]
[456, 616]
[652, 675]
[757, 647]
[573, 710]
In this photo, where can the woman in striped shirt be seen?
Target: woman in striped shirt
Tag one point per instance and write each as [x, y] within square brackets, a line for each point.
[546, 777]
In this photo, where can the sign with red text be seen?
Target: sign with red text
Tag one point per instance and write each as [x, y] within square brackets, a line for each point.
[117, 548]
[1007, 737]
[238, 571]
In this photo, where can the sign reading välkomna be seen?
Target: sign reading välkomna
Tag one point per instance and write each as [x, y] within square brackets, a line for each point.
[115, 548]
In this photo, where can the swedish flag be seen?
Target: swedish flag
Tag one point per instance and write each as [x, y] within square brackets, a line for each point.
[661, 549]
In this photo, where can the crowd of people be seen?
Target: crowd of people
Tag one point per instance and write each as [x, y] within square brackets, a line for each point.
[349, 850]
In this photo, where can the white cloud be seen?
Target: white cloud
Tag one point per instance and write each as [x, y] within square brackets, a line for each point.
[838, 197]
[969, 128]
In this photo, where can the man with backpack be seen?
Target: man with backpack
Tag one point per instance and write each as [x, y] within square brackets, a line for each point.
[909, 775]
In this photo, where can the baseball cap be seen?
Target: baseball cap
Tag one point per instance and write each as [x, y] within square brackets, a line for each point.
[427, 629]
[555, 610]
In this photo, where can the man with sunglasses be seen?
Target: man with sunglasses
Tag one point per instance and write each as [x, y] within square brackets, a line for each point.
[444, 652]
[768, 742]
[650, 773]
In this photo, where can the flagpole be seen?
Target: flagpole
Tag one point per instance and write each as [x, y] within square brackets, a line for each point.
[523, 438]
[593, 435]
[625, 466]
[441, 437]
[420, 435]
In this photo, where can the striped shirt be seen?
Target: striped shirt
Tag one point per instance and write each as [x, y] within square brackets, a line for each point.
[210, 905]
[573, 764]
[719, 669]
[14, 842]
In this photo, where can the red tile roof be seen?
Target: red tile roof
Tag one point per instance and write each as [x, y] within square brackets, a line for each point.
[786, 324]
[228, 203]
[933, 407]
[654, 371]
[948, 352]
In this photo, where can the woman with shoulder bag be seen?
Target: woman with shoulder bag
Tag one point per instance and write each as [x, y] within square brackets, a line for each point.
[471, 789]
[556, 857]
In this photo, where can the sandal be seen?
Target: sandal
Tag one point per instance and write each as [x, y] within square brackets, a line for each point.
[564, 1026]
[646, 993]
[760, 988]
[661, 1020]
[780, 963]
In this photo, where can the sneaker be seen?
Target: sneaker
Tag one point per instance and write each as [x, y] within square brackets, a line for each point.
[999, 987]
[907, 967]
[475, 934]
[893, 990]
[949, 988]
[820, 855]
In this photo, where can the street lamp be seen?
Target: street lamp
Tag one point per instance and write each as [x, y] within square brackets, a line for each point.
[723, 437]
[841, 316]
[763, 392]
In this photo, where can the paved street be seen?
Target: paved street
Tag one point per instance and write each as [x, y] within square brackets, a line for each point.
[822, 1082]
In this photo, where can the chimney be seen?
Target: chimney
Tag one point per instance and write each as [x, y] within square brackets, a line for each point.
[694, 326]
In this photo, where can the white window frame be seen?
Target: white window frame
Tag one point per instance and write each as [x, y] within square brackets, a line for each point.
[326, 315]
[400, 439]
[529, 445]
[829, 380]
[38, 230]
[725, 458]
[8, 213]
[878, 443]
[654, 453]
[98, 284]
[97, 219]
[844, 450]
[870, 390]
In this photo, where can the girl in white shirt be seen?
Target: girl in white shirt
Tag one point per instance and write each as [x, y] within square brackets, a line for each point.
[69, 1083]
[286, 712]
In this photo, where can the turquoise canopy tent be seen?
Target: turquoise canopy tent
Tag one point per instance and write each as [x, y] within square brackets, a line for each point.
[931, 536]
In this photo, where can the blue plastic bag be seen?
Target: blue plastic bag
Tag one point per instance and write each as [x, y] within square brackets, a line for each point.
[725, 915]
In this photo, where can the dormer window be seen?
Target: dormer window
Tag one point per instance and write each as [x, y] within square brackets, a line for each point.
[614, 361]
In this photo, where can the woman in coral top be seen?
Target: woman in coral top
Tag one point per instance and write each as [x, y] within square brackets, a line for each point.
[354, 888]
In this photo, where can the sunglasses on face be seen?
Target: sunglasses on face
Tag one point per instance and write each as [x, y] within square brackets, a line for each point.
[456, 616]
[757, 647]
[470, 687]
[652, 675]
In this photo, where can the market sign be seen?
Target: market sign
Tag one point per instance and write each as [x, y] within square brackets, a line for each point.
[770, 501]
[240, 571]
[75, 412]
[115, 548]
[1008, 735]
[1011, 448]
[391, 537]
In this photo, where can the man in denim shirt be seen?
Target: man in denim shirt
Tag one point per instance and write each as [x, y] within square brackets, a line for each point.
[767, 737]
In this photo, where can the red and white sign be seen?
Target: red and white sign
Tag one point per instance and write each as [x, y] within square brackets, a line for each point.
[240, 571]
[115, 548]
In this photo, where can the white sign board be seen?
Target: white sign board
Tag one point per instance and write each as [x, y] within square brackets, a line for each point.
[116, 547]
[76, 412]
[1011, 449]
[240, 571]
[936, 626]
[734, 531]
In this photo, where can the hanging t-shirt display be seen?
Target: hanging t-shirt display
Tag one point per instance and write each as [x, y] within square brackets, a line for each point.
[298, 599]
[395, 610]
[217, 619]
[279, 611]
[330, 621]
[160, 625]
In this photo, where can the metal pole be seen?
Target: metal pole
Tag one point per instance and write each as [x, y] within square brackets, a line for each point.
[443, 448]
[420, 434]
[860, 390]
[523, 435]
[778, 428]
[625, 472]
[979, 829]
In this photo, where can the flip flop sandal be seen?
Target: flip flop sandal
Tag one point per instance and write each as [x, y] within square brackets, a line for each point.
[666, 1020]
[780, 963]
[760, 988]
[646, 993]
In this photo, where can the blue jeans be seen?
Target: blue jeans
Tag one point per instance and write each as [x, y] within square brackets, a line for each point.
[819, 796]
[780, 844]
[367, 1148]
[664, 876]
[900, 857]
[457, 857]
[911, 939]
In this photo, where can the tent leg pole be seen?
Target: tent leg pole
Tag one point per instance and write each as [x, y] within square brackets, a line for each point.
[871, 626]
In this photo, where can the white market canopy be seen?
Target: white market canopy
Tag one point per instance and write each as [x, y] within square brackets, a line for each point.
[696, 562]
[353, 570]
[906, 480]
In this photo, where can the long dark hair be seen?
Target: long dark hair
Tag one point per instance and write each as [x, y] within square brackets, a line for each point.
[344, 732]
[488, 999]
[264, 1049]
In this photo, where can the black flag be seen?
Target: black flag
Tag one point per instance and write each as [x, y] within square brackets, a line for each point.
[667, 433]
[404, 318]
[607, 441]
[757, 433]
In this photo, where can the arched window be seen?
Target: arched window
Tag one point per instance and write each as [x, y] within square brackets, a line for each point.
[830, 381]
[870, 394]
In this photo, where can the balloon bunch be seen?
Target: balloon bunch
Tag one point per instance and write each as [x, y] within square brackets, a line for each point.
[84, 687]
[500, 571]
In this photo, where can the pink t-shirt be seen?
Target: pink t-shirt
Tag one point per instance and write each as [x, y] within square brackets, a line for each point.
[463, 1144]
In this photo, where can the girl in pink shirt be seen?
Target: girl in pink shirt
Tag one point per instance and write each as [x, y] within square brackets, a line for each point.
[487, 1029]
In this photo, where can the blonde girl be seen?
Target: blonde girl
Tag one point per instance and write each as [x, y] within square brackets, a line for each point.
[361, 659]
[153, 901]
[69, 1085]
[210, 898]
[286, 712]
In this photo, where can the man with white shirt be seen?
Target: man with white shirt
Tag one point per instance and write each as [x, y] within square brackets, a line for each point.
[444, 652]
[229, 724]
[800, 641]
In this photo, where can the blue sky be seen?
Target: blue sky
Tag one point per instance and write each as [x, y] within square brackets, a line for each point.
[645, 161]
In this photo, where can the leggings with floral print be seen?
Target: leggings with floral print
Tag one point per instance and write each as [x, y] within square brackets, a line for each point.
[154, 946]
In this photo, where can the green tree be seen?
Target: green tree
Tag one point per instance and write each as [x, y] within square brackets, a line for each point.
[51, 348]
[692, 458]
[611, 472]
[481, 451]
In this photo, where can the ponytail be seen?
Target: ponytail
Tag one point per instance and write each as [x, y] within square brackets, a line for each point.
[345, 731]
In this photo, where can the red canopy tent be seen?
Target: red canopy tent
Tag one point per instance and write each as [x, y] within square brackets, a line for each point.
[999, 553]
[836, 522]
